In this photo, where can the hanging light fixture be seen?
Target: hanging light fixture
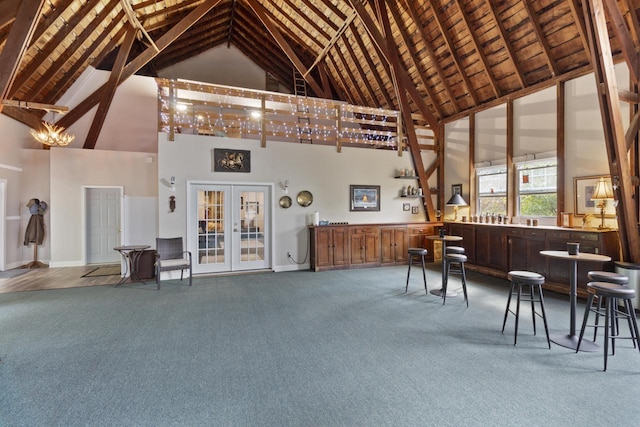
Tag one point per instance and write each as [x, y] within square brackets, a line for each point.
[52, 135]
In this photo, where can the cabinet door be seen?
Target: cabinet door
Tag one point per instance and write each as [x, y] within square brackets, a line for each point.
[357, 249]
[387, 248]
[324, 247]
[371, 248]
[400, 237]
[497, 249]
[483, 247]
[340, 246]
[517, 253]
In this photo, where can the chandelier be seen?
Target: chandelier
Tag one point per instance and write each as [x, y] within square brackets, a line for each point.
[52, 135]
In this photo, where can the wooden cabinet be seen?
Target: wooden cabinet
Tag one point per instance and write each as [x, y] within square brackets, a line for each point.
[498, 249]
[417, 237]
[365, 245]
[393, 244]
[330, 247]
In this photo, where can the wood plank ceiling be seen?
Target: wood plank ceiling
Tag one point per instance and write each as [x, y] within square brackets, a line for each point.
[457, 55]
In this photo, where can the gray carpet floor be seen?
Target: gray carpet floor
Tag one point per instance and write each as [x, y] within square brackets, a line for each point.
[343, 348]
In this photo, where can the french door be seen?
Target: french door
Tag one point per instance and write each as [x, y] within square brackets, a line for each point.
[229, 227]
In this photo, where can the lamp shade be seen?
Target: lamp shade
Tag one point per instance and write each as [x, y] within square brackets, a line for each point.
[456, 200]
[602, 191]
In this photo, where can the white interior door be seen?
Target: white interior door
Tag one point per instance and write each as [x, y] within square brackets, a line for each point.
[228, 227]
[102, 225]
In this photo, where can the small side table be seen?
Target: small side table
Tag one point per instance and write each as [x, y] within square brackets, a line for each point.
[444, 239]
[130, 255]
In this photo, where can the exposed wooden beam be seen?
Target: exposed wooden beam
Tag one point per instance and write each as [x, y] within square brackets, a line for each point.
[560, 149]
[259, 10]
[17, 43]
[411, 8]
[8, 12]
[452, 51]
[629, 51]
[363, 75]
[507, 44]
[615, 143]
[578, 18]
[546, 49]
[407, 120]
[231, 20]
[133, 20]
[414, 62]
[383, 50]
[110, 90]
[486, 67]
[27, 118]
[351, 77]
[35, 106]
[333, 41]
[141, 60]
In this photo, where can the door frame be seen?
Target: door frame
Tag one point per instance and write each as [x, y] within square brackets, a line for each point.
[123, 222]
[272, 223]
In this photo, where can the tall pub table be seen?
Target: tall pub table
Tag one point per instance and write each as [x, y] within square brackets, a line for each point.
[570, 340]
[444, 239]
[130, 256]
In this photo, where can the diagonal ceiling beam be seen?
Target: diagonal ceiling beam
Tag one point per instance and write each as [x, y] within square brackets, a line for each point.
[629, 51]
[332, 42]
[505, 41]
[17, 44]
[535, 22]
[259, 10]
[407, 120]
[8, 11]
[110, 90]
[383, 49]
[140, 61]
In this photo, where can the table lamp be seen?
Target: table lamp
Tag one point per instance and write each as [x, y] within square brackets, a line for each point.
[455, 201]
[601, 194]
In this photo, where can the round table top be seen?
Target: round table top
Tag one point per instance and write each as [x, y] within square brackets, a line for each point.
[131, 248]
[581, 256]
[446, 237]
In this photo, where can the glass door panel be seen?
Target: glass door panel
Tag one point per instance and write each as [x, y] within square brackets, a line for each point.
[250, 231]
[210, 225]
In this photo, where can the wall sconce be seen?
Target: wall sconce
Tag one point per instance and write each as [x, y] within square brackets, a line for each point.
[173, 183]
[285, 186]
[172, 203]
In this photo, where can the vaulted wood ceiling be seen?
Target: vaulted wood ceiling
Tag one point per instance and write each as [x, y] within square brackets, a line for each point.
[452, 56]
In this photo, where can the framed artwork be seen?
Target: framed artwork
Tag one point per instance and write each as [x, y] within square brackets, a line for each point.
[406, 207]
[583, 188]
[364, 197]
[414, 209]
[456, 189]
[566, 219]
[228, 160]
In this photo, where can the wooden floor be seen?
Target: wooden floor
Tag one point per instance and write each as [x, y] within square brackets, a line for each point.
[55, 278]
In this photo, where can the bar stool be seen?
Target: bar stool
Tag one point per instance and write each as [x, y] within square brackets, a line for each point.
[458, 261]
[455, 250]
[610, 292]
[609, 277]
[422, 253]
[534, 281]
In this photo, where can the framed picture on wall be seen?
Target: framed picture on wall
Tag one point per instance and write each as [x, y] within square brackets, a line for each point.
[583, 188]
[364, 198]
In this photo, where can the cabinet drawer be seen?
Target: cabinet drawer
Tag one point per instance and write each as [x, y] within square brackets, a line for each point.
[364, 230]
[535, 233]
[559, 235]
[585, 237]
[515, 232]
[415, 229]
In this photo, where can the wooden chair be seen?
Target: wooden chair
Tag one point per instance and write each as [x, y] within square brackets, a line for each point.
[170, 255]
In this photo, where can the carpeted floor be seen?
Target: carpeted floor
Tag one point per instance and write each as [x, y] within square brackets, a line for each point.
[344, 348]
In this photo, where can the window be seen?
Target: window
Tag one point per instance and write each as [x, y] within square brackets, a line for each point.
[492, 190]
[537, 188]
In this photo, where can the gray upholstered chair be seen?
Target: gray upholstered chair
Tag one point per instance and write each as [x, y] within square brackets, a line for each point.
[170, 255]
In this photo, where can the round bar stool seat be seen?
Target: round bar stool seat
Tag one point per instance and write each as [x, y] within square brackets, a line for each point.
[534, 282]
[458, 261]
[454, 250]
[610, 292]
[421, 253]
[608, 276]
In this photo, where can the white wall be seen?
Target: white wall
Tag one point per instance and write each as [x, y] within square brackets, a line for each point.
[321, 170]
[220, 65]
[71, 169]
